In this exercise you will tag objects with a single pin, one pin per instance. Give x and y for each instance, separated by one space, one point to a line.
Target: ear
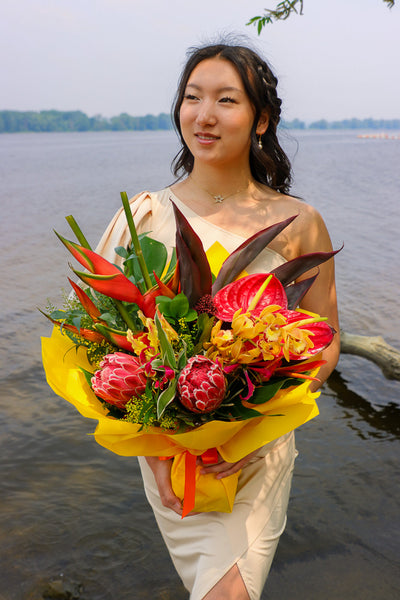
263 123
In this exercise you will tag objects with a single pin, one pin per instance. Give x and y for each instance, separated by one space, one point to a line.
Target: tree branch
283 10
373 348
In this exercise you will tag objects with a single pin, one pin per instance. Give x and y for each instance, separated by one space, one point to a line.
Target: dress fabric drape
203 547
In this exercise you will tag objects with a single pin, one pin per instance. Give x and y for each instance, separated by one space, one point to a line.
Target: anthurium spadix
104 277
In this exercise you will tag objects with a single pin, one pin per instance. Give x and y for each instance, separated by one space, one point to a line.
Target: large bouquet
187 355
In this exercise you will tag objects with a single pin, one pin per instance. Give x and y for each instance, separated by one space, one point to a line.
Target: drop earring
260 144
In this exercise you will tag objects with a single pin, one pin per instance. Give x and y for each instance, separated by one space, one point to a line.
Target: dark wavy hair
269 165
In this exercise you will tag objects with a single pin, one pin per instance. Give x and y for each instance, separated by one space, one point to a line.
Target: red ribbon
209 457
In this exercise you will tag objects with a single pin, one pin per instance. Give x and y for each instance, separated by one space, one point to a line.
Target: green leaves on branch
283 10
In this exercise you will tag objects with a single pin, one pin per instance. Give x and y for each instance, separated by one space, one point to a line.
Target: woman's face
216 115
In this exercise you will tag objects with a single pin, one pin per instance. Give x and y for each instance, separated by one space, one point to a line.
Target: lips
206 137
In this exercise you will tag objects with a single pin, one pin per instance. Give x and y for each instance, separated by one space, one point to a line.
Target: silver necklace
218 198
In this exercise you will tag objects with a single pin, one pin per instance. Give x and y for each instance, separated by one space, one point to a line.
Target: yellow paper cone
234 440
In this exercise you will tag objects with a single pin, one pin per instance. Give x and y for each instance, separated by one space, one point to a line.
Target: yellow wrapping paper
234 440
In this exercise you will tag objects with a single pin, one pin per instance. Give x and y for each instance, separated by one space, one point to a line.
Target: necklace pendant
218 199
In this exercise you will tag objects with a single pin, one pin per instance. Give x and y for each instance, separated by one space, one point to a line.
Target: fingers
224 469
169 500
162 475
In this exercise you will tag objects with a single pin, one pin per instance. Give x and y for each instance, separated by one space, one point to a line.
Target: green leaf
121 251
179 306
76 322
165 398
241 412
88 376
167 352
59 314
182 356
176 308
163 303
266 392
154 254
108 318
191 315
204 324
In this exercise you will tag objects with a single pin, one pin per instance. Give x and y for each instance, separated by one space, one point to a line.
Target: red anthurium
240 294
321 334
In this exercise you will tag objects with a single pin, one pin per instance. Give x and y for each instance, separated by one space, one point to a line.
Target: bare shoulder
310 227
307 233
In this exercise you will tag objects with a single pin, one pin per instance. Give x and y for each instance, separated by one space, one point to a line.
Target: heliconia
86 302
104 277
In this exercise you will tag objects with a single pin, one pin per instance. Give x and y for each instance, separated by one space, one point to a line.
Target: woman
237 178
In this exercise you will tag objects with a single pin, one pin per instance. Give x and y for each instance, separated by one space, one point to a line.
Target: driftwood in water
373 348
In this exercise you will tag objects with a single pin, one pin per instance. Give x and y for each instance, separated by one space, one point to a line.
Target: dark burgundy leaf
195 273
296 292
292 269
247 252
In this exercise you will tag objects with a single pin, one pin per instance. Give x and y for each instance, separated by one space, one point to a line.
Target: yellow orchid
148 342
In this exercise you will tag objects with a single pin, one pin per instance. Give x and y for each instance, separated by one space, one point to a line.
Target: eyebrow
219 90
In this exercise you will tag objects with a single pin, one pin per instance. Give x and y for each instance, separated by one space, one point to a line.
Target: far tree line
12 121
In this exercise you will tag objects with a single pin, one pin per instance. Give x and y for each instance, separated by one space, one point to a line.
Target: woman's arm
312 236
321 297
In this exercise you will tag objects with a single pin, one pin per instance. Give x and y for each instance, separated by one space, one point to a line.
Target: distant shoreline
13 121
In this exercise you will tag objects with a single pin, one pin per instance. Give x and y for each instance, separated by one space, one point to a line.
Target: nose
206 113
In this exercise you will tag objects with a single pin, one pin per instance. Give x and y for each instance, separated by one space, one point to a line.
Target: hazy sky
339 60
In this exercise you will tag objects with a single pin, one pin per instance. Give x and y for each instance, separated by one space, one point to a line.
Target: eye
228 99
190 97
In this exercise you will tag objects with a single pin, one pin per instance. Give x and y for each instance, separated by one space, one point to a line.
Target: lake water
74 512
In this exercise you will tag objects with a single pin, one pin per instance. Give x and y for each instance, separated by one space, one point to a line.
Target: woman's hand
224 469
162 474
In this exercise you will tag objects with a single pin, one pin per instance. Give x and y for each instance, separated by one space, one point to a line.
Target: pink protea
201 385
120 377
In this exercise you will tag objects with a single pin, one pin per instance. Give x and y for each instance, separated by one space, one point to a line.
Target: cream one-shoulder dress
203 547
